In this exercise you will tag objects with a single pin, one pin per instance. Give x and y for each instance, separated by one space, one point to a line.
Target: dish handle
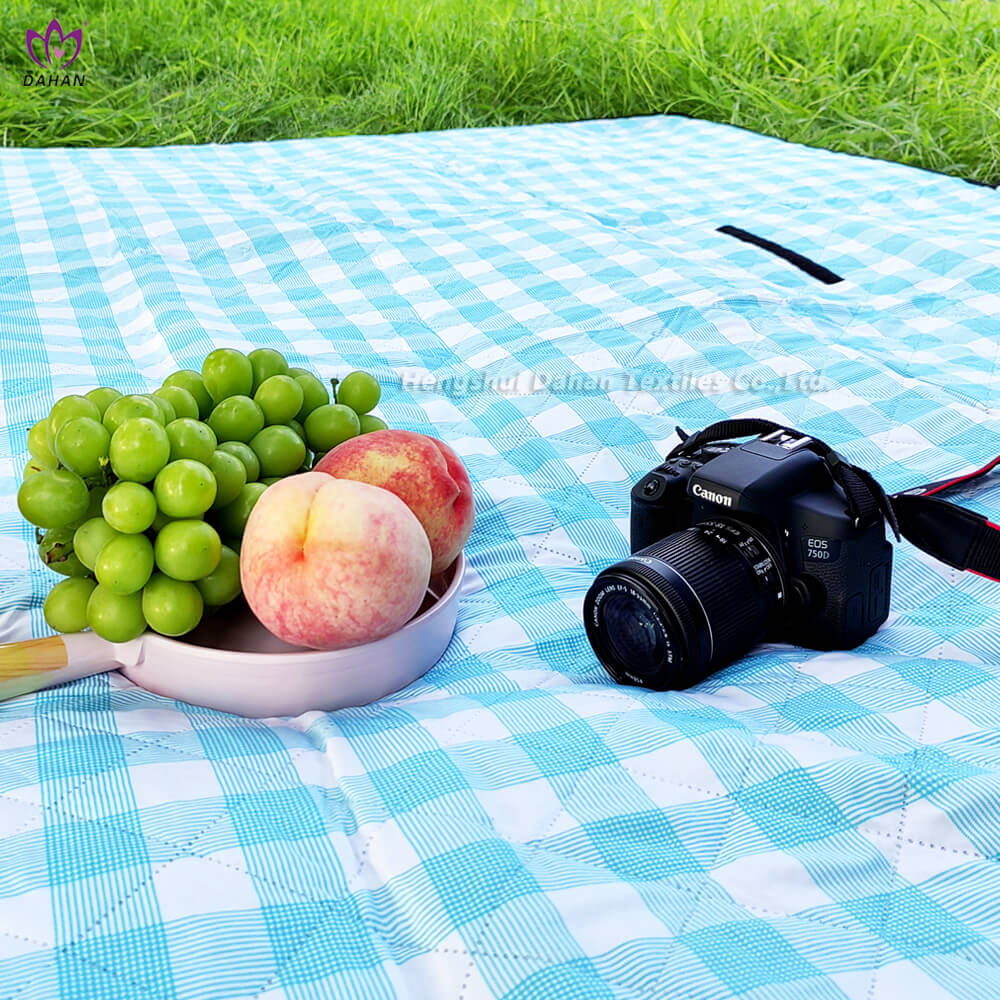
40 663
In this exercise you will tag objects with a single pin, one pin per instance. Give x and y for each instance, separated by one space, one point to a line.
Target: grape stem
105 477
334 382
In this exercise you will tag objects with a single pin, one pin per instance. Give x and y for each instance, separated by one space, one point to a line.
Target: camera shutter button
652 485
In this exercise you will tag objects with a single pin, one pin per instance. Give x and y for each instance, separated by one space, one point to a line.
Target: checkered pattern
801 825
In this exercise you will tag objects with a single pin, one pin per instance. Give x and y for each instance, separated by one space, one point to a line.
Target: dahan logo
720 498
54 51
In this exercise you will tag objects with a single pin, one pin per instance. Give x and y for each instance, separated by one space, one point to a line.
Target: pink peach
331 563
423 472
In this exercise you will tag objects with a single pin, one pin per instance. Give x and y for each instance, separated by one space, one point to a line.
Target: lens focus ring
725 589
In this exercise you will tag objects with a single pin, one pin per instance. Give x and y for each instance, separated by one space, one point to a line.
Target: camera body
835 574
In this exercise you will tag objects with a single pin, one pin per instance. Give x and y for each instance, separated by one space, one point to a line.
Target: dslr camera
777 538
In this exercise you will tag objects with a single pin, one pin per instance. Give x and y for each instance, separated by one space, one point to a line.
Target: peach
423 472
331 563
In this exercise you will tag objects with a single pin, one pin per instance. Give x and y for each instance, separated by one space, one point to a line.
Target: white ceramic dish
233 664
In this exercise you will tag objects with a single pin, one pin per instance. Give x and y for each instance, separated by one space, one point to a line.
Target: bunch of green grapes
140 501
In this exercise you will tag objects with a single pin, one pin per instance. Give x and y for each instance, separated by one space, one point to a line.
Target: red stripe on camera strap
929 489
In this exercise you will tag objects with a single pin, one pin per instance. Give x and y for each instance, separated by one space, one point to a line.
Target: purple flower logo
60 51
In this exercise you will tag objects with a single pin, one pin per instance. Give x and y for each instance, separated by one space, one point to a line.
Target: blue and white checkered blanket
552 301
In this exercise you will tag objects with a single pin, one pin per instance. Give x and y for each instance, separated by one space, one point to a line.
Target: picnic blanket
552 301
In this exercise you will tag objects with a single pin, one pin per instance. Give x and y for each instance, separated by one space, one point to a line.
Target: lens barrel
674 612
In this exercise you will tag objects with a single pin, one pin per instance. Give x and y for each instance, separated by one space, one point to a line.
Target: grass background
916 81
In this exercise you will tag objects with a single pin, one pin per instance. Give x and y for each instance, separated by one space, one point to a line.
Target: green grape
232 519
187 550
191 439
131 408
193 382
82 446
65 608
266 362
296 372
53 498
129 508
38 444
360 392
330 425
184 404
230 477
103 397
90 538
237 418
185 488
166 408
227 372
280 397
271 480
171 607
32 468
222 585
139 449
297 427
56 551
245 454
314 394
115 617
66 409
369 423
280 450
125 564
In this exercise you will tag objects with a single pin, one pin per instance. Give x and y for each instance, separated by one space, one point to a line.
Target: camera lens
635 631
674 612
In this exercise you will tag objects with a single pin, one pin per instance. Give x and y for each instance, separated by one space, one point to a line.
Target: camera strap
866 500
958 537
952 534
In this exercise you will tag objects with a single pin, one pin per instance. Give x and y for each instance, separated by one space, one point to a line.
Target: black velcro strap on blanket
814 270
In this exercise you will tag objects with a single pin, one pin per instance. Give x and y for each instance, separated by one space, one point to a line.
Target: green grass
916 81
